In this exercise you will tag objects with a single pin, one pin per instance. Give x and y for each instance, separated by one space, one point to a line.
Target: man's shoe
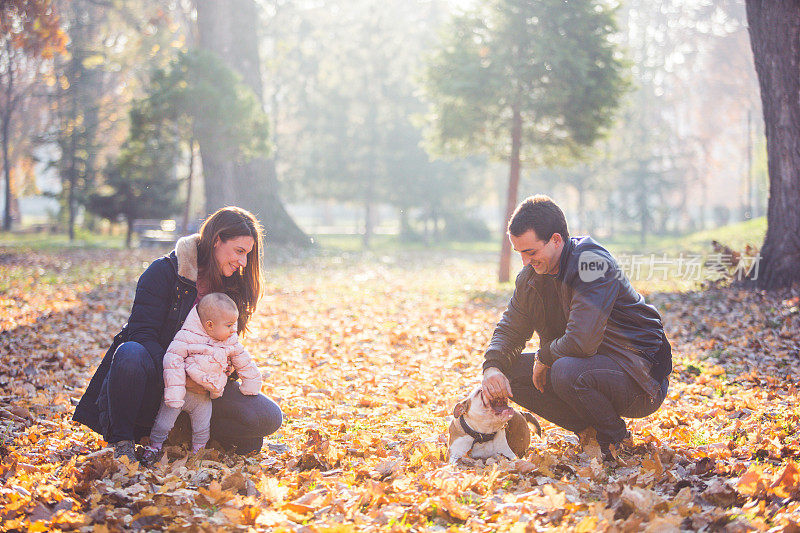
126 448
611 451
151 455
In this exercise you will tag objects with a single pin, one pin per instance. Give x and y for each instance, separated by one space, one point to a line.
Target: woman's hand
495 384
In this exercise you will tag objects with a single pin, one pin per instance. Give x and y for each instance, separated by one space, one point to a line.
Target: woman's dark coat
165 294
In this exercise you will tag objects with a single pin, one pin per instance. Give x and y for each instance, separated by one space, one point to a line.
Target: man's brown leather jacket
589 307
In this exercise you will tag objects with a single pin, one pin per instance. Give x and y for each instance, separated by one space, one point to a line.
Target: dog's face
477 408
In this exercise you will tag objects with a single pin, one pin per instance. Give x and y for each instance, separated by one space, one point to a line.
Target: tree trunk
128 232
706 170
7 171
77 137
189 179
367 237
230 29
213 23
511 199
642 226
72 171
405 224
774 27
644 213
7 115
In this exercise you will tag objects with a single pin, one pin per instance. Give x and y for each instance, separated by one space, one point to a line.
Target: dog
488 429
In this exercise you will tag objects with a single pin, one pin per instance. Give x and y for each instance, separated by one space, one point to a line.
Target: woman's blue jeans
239 423
584 391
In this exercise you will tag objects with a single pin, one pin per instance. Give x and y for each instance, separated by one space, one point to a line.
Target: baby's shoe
151 455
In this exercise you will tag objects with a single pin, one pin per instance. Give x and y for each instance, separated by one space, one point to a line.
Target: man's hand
495 385
539 375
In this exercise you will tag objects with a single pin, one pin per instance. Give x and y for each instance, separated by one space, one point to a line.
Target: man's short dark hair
540 214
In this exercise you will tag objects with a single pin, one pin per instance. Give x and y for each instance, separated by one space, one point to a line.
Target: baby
205 349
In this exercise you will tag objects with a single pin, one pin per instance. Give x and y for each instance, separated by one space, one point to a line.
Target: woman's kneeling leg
131 379
240 422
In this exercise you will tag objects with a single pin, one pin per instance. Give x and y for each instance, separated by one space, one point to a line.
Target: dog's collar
478 436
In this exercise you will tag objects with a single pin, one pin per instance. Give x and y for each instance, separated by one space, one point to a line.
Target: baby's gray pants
199 408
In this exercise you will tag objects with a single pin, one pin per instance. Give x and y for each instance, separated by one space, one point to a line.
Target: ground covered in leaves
367 356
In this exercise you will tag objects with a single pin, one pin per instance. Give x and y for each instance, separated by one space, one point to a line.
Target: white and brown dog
488 429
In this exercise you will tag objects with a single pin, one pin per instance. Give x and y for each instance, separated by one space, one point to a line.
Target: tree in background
200 93
693 92
340 92
358 118
196 91
774 33
680 140
84 80
141 181
231 30
112 48
343 99
435 195
30 37
525 80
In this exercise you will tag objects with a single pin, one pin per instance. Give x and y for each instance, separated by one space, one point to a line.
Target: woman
123 396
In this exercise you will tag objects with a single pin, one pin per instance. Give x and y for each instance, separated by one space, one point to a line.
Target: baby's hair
211 304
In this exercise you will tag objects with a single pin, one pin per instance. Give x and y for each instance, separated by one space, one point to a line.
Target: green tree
232 30
113 46
358 108
141 181
83 83
196 91
521 80
199 91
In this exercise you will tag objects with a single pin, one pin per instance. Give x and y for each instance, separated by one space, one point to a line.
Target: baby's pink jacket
195 354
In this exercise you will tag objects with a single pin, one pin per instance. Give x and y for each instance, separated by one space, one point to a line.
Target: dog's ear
532 420
461 408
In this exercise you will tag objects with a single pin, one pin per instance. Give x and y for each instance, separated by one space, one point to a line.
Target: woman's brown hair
244 286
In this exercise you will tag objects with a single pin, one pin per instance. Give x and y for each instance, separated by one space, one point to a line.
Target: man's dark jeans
582 392
238 422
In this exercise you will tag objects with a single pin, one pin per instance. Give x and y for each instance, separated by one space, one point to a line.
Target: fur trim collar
186 252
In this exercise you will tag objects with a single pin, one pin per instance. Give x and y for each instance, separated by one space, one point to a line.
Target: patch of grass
60 241
27 268
718 354
700 438
694 367
210 510
468 499
736 235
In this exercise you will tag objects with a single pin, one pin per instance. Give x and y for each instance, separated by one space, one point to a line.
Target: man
602 350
